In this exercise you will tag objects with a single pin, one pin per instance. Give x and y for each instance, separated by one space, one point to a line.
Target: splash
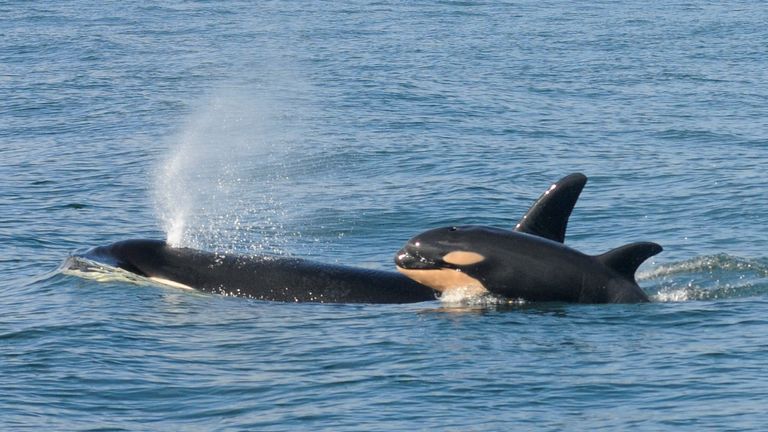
708 277
466 296
85 268
218 187
709 264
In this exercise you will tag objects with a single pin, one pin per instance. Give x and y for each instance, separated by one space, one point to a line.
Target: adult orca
271 278
529 263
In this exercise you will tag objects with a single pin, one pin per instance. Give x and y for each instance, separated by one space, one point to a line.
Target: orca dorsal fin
548 217
626 259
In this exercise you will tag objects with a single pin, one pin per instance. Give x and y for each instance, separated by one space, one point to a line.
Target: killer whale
284 279
271 278
287 279
531 262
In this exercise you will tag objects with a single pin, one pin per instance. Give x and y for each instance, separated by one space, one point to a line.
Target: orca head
447 258
129 255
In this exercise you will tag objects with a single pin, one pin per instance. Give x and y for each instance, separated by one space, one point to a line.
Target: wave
98 271
708 277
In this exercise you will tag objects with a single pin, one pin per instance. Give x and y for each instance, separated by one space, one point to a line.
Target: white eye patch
463 258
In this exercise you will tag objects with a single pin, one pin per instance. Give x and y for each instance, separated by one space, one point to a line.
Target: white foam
459 295
100 272
673 295
468 296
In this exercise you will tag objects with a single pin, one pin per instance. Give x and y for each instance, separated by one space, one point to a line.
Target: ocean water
336 131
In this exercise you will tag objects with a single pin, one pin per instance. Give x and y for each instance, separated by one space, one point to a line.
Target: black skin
523 266
531 262
260 277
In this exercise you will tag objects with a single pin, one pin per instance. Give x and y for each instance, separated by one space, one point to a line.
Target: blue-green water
336 131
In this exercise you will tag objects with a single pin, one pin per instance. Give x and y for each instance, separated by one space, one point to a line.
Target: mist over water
217 189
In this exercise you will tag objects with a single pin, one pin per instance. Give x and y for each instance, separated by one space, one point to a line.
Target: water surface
338 131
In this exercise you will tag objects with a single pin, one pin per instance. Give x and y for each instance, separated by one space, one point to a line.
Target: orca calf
260 277
530 263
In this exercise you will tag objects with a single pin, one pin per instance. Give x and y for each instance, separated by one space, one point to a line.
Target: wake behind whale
708 277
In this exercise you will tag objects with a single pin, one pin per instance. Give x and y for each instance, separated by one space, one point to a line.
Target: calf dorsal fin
626 259
548 217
